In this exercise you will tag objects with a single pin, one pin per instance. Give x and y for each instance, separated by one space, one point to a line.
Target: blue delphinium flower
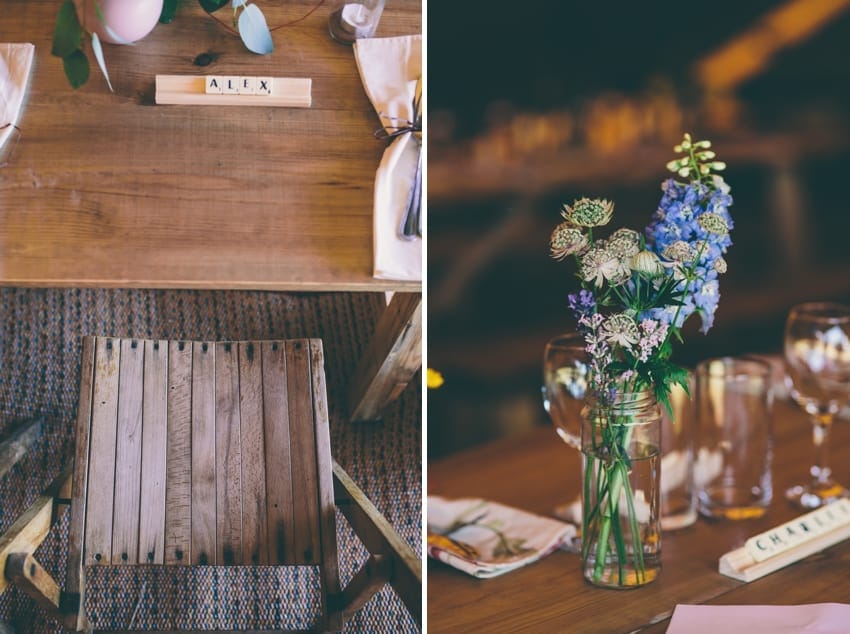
678 219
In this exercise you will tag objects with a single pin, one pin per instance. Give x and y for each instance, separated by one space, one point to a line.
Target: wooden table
109 190
536 471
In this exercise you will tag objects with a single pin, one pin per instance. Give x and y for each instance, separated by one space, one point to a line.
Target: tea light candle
354 20
355 16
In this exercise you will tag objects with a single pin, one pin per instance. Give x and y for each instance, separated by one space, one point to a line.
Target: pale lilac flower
652 335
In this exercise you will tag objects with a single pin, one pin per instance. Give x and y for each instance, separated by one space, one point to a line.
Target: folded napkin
820 618
390 69
486 539
15 64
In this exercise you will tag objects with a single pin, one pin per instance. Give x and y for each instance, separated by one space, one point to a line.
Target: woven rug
40 332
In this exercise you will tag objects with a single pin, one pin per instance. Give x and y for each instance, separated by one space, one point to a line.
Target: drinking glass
734 405
565 368
817 362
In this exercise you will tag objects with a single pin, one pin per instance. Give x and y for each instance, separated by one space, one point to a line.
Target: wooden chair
200 453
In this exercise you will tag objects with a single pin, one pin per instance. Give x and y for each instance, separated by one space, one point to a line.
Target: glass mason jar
621 529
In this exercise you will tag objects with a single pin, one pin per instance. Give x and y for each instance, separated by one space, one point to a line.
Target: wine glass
817 360
565 370
565 374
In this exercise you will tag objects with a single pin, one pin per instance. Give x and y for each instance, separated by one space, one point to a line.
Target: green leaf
212 5
254 30
68 34
169 8
76 68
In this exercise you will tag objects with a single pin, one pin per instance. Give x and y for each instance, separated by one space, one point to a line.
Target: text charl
238 85
799 531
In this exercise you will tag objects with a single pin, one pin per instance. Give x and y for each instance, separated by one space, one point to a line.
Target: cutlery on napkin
390 69
15 65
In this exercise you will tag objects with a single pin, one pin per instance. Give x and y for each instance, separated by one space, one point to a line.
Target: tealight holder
351 21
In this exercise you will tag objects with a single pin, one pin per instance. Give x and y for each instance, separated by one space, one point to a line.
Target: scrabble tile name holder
790 542
233 90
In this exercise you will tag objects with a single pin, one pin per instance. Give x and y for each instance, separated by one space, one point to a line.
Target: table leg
392 358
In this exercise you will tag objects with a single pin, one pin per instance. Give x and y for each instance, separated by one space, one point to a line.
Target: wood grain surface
128 454
228 455
108 189
178 472
101 478
203 454
154 447
535 471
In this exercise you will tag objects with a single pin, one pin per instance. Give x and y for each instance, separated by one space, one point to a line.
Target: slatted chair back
202 453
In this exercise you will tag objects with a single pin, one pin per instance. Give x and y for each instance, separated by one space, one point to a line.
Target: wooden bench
204 453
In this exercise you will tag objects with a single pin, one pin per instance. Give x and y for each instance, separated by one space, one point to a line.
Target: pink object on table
124 21
815 618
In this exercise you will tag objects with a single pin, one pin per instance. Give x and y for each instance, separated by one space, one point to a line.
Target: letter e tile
247 85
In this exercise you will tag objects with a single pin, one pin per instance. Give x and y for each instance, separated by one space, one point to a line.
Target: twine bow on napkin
391 70
411 225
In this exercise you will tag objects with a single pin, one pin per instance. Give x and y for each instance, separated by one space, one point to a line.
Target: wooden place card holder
788 543
227 90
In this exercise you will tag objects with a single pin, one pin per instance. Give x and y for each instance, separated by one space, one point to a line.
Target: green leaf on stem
76 68
169 8
68 34
212 5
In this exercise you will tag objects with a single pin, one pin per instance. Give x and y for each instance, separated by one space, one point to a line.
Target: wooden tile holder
788 543
287 92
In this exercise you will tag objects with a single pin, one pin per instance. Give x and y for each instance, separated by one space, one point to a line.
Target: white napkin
486 539
15 65
820 618
390 68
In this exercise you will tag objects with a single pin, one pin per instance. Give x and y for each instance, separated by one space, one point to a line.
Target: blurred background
534 104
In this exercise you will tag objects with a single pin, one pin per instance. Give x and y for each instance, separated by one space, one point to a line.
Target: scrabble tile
247 85
213 84
230 85
264 85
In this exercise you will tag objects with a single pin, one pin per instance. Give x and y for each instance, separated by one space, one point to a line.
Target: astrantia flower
587 212
646 263
627 234
566 240
713 223
623 246
720 265
600 264
620 329
680 251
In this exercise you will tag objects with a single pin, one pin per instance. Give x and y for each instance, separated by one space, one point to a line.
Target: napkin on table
15 65
815 618
486 539
390 69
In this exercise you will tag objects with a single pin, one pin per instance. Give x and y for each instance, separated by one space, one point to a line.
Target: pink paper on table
815 618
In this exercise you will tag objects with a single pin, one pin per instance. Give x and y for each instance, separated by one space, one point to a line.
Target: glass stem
820 437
